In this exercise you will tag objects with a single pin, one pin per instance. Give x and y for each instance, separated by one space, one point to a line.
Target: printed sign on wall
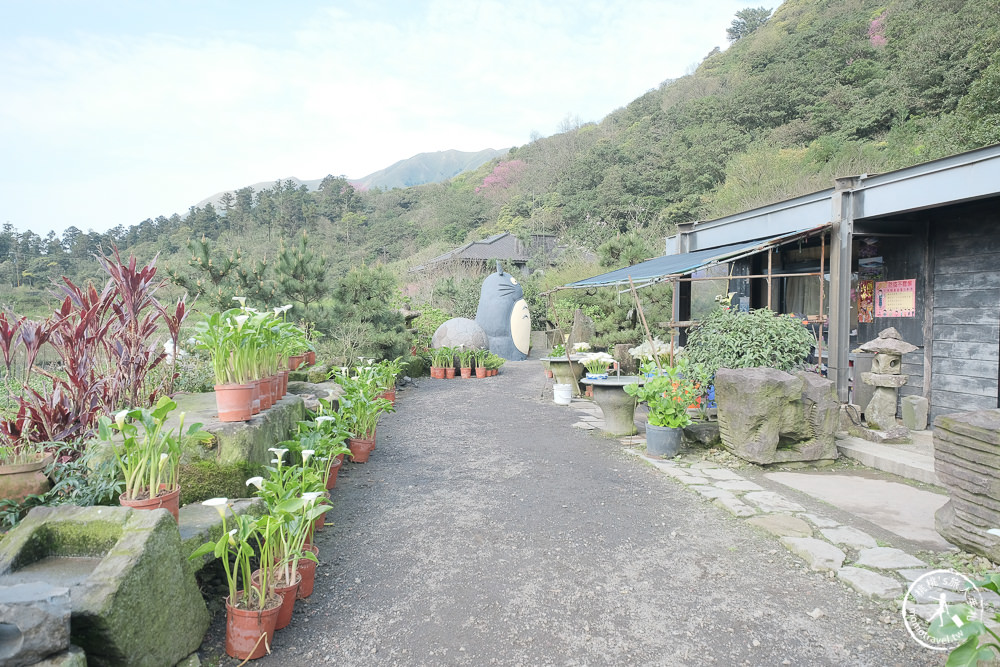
896 298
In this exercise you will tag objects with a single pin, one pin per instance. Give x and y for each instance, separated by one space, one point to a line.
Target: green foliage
668 396
416 365
747 21
364 321
301 276
430 319
728 338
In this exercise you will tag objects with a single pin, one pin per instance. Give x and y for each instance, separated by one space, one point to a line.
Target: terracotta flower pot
449 373
24 479
234 401
283 378
249 632
480 372
548 373
467 372
311 357
265 394
331 480
437 372
361 448
288 595
168 500
389 395
307 568
255 406
295 361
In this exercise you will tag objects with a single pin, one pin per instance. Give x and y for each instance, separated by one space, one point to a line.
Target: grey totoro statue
503 315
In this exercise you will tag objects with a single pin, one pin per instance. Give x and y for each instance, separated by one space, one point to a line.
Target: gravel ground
486 530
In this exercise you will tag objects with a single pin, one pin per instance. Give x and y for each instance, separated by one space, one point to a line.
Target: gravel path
486 530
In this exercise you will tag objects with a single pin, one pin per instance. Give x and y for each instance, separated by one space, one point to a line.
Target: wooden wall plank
967 334
986 316
960 350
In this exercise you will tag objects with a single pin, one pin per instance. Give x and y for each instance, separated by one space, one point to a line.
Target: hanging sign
896 298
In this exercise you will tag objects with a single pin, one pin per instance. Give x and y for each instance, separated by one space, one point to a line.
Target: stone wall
967 461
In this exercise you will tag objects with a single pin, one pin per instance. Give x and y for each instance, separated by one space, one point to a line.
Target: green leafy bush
728 338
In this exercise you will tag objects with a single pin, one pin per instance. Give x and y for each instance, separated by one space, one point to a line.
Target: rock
782 525
702 434
38 615
888 346
628 364
881 411
896 435
890 332
849 537
887 558
819 555
769 416
870 584
72 657
139 605
583 330
461 331
914 412
967 463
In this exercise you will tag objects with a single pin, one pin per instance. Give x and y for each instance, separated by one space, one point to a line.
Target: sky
112 112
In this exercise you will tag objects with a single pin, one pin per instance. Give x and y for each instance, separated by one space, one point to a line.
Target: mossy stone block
140 605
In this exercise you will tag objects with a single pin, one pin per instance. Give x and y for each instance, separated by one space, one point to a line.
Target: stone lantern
887 377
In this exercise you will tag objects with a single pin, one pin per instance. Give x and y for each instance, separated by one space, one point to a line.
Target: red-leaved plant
107 345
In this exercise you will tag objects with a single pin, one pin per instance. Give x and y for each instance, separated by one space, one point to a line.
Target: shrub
728 338
416 366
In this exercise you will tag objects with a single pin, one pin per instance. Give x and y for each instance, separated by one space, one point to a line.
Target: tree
301 275
746 21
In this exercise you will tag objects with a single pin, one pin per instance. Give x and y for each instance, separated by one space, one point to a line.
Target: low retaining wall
967 462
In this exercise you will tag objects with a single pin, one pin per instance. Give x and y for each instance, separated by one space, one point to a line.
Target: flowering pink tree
876 32
503 176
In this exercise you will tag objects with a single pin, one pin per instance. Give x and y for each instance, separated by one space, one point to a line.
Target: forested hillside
823 88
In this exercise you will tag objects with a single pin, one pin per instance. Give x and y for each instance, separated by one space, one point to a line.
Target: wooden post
649 336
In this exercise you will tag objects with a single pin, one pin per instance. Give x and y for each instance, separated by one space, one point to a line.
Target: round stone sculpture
461 331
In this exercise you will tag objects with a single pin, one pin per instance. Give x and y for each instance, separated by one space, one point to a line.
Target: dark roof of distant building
503 246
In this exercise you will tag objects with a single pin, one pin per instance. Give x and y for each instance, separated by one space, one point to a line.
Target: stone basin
617 406
67 571
566 372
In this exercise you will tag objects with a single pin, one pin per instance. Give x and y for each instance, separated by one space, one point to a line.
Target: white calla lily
257 481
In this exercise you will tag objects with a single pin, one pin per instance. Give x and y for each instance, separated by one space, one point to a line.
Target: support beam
841 240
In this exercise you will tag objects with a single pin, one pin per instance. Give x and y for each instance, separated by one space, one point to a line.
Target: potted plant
22 469
442 358
668 397
222 335
291 493
149 457
252 606
361 410
597 364
465 358
481 358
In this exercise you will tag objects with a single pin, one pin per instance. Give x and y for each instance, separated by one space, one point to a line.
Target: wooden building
917 249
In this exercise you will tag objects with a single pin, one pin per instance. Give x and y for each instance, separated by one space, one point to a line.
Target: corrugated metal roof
682 264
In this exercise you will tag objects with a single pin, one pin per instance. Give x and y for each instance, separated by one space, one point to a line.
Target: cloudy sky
112 112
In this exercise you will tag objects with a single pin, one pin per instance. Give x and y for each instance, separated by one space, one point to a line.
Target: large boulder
770 416
133 600
967 463
461 331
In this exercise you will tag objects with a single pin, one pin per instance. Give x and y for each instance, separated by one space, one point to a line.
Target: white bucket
562 394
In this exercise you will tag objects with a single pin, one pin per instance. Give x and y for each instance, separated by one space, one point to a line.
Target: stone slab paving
849 537
870 583
819 555
852 555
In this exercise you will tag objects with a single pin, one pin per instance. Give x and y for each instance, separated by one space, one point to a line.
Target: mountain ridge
420 169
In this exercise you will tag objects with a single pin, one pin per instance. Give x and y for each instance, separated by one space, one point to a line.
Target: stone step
914 462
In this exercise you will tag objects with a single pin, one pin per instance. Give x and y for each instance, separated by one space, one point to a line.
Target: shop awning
670 266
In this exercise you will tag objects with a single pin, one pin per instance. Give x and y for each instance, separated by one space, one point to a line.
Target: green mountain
426 168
